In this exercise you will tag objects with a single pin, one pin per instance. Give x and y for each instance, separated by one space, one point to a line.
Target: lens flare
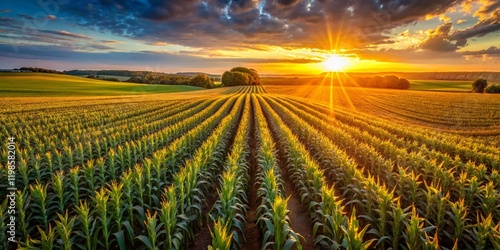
335 63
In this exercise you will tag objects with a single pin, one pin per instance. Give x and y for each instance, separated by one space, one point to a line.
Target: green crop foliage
158 172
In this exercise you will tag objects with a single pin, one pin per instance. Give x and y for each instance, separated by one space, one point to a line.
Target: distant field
446 111
426 85
440 85
39 84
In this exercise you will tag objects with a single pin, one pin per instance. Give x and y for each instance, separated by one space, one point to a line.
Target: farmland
39 84
464 113
253 167
441 85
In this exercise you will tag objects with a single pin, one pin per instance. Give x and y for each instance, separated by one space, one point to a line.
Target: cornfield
194 173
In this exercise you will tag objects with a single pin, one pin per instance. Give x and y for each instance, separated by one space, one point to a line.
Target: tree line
387 82
200 80
481 86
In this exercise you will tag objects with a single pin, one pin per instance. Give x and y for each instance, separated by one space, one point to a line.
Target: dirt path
202 238
252 234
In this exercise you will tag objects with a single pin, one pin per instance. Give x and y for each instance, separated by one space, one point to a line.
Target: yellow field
465 113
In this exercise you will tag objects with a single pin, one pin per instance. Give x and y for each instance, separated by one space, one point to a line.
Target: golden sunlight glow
335 63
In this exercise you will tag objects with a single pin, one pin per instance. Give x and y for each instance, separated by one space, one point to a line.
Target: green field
441 85
39 84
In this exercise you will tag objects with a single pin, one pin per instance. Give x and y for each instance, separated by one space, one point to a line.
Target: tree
479 85
201 80
252 74
404 83
235 78
493 89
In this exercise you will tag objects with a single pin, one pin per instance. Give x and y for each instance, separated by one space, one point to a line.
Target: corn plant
431 243
89 172
47 239
101 205
170 219
74 186
115 194
58 186
483 233
64 227
415 230
86 226
353 238
128 200
41 204
458 220
22 204
153 232
489 197
277 227
399 220
221 237
332 218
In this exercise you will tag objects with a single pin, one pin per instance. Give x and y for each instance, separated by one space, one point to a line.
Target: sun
335 63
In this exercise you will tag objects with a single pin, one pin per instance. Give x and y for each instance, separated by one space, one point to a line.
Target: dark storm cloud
161 10
206 23
287 2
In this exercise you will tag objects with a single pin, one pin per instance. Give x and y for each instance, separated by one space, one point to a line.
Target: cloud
493 50
210 26
158 43
66 33
460 21
5 11
51 17
100 46
67 54
439 39
444 18
294 23
482 28
410 56
292 61
110 42
443 39
28 17
487 7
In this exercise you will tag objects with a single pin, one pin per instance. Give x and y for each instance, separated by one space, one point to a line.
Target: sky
271 36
